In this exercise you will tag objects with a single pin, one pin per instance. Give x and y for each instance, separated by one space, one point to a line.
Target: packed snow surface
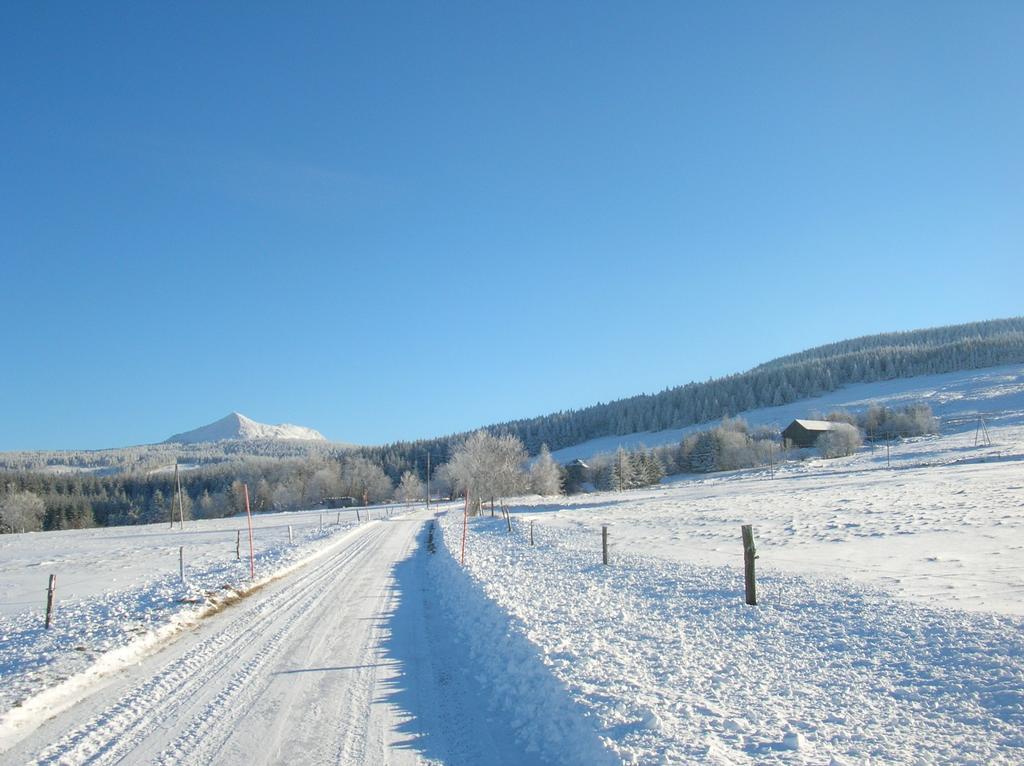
119 590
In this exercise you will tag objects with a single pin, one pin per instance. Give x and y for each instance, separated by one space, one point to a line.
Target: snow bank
672 667
522 691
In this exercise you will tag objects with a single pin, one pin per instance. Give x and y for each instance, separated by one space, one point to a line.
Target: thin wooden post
181 562
338 520
321 522
358 520
749 554
888 462
291 539
181 506
238 545
531 533
604 545
172 496
49 599
508 516
252 549
465 524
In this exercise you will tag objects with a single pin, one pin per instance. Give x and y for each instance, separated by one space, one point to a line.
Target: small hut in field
805 433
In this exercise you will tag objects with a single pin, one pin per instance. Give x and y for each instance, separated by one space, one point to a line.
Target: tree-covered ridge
782 381
930 338
134 484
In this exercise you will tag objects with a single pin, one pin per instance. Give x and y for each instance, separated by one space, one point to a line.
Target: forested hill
998 330
781 381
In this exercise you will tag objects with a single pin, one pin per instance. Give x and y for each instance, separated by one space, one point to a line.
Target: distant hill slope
781 381
238 426
998 332
958 399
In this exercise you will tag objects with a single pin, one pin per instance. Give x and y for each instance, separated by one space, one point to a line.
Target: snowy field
667 665
119 594
943 526
889 628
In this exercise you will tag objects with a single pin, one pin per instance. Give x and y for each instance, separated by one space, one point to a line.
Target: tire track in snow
143 710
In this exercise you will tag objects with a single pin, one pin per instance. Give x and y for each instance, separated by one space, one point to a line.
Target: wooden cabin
805 433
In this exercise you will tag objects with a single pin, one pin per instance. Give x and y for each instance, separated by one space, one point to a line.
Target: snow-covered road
339 662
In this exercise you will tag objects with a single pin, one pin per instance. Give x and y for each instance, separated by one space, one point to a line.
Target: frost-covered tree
441 484
21 512
912 420
365 480
286 497
409 488
324 483
654 471
488 466
545 474
842 440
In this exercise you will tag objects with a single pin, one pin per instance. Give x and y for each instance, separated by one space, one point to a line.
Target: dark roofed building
575 476
805 433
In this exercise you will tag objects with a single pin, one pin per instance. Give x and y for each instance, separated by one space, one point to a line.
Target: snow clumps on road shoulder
510 669
673 667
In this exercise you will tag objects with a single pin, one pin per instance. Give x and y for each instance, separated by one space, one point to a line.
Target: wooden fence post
531 533
465 525
321 522
338 522
749 554
358 520
49 599
238 545
252 547
291 539
508 516
181 562
604 545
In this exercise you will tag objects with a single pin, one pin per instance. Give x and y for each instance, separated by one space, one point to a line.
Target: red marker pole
252 553
465 523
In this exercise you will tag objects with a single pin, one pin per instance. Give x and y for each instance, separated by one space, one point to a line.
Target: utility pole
181 506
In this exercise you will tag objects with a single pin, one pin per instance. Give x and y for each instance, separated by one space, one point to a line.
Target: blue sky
393 221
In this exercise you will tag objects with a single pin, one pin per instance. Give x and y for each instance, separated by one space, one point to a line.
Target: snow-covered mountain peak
237 426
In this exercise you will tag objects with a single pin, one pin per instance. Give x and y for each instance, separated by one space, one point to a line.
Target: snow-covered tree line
289 474
624 469
782 381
